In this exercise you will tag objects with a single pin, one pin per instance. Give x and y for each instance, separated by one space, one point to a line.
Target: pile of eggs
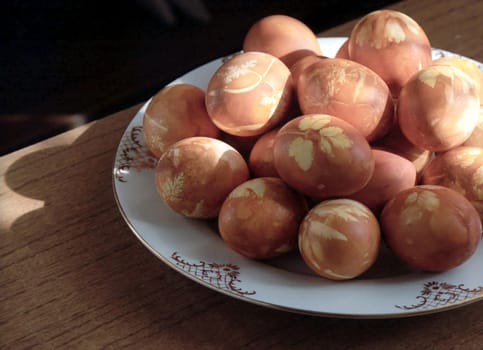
289 149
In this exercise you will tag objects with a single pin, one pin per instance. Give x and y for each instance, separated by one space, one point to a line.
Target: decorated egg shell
438 108
284 37
322 156
249 94
468 67
339 239
392 44
460 169
260 218
194 175
431 228
174 113
347 90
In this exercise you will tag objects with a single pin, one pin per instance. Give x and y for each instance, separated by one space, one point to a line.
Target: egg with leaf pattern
322 156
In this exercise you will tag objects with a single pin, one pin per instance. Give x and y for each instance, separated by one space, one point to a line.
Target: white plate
193 248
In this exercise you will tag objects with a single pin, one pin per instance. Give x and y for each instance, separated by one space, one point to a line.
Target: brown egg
431 228
470 68
249 94
339 239
174 113
460 169
396 142
261 162
349 91
260 218
242 144
392 174
299 66
438 108
195 175
282 36
391 44
476 137
343 51
322 156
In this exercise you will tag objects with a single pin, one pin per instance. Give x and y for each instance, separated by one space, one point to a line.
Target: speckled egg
460 169
322 156
260 218
438 108
282 36
347 90
339 239
174 113
194 175
249 94
392 44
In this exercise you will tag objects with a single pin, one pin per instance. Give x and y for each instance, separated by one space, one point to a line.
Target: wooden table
73 276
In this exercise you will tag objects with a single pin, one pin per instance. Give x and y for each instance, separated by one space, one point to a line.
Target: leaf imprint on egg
349 213
325 231
416 203
302 151
314 122
333 136
173 187
235 71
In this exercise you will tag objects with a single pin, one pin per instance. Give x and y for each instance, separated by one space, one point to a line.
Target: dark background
64 63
